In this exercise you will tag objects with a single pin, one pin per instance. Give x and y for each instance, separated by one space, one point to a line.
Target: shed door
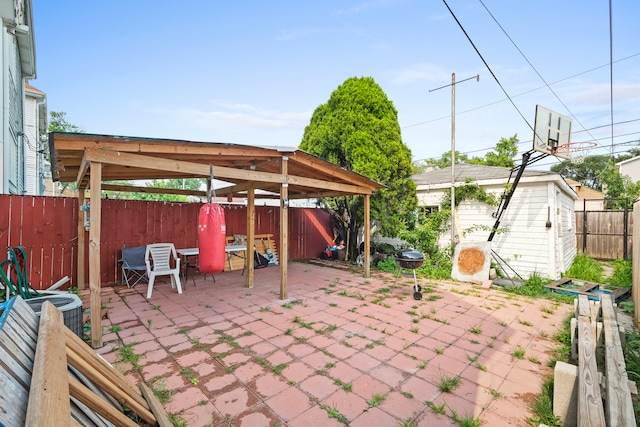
559 222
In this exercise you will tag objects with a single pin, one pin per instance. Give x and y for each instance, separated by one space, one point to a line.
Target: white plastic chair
158 259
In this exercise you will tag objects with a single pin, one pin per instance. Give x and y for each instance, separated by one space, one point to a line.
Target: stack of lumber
51 381
261 242
596 338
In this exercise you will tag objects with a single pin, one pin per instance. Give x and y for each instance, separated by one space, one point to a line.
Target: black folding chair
134 268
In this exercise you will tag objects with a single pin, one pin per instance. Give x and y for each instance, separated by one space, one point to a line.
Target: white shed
527 244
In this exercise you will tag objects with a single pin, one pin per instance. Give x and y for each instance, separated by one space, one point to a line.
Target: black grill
411 259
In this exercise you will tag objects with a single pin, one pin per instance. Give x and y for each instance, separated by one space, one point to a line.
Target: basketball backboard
551 130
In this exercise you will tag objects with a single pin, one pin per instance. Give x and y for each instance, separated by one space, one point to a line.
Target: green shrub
621 276
585 268
532 287
387 265
437 266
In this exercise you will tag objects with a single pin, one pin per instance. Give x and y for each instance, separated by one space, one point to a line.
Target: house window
425 211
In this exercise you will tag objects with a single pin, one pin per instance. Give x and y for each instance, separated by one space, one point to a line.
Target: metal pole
453 159
453 149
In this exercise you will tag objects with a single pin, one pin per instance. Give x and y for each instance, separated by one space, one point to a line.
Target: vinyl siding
527 245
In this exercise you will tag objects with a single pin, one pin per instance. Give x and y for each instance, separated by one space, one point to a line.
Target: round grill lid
409 255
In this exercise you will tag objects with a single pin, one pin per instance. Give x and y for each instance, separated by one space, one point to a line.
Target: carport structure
284 173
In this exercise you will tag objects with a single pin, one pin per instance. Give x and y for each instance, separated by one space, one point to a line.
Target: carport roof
126 158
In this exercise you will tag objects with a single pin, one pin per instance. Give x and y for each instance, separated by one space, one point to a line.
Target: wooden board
49 404
18 335
262 242
590 408
55 396
618 395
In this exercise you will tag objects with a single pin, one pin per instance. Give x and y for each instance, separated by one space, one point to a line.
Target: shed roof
475 172
243 166
487 175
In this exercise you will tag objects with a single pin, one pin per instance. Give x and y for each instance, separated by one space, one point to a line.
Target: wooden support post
284 228
367 236
49 403
251 231
80 281
94 255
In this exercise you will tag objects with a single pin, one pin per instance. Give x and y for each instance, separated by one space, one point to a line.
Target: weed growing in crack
448 384
375 400
518 352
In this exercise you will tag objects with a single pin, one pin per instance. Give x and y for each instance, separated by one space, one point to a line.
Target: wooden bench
604 389
261 242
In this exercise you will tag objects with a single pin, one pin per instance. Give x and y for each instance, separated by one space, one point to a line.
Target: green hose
13 273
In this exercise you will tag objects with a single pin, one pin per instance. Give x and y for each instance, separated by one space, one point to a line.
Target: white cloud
600 94
236 116
419 72
300 32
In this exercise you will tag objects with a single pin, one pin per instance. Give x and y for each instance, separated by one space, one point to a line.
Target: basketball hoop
574 151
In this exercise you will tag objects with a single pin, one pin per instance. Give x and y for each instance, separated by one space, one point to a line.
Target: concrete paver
342 349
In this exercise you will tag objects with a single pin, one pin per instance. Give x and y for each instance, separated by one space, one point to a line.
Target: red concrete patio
342 350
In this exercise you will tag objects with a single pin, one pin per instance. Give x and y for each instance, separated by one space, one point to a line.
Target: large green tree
58 123
502 155
445 160
591 172
358 130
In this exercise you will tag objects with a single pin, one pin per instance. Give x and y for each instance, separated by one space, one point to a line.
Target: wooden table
186 253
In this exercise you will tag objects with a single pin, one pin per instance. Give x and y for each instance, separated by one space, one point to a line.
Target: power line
488 67
534 68
522 93
611 71
529 141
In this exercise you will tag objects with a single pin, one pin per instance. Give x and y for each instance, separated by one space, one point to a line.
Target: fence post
635 263
625 230
584 228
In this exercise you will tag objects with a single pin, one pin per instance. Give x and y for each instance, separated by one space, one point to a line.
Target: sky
253 72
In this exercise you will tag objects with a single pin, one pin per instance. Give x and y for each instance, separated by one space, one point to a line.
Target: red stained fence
47 228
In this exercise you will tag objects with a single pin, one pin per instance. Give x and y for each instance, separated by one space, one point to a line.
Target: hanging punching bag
212 238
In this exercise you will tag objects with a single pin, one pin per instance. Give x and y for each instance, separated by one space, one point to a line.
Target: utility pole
453 148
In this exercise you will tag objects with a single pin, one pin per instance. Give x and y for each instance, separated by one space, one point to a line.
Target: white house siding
568 238
527 245
631 168
30 153
12 106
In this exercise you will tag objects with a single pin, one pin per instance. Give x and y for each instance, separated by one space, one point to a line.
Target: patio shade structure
283 173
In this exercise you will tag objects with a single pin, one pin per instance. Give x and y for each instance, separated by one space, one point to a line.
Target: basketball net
575 151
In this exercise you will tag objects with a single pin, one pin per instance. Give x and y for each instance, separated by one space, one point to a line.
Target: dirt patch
626 320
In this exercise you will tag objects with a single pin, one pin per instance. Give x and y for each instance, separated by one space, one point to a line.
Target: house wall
631 168
11 150
568 233
31 175
527 245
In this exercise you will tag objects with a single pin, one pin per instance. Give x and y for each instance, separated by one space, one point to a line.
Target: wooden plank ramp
600 353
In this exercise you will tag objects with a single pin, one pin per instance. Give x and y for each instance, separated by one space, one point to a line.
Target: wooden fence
47 228
605 235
